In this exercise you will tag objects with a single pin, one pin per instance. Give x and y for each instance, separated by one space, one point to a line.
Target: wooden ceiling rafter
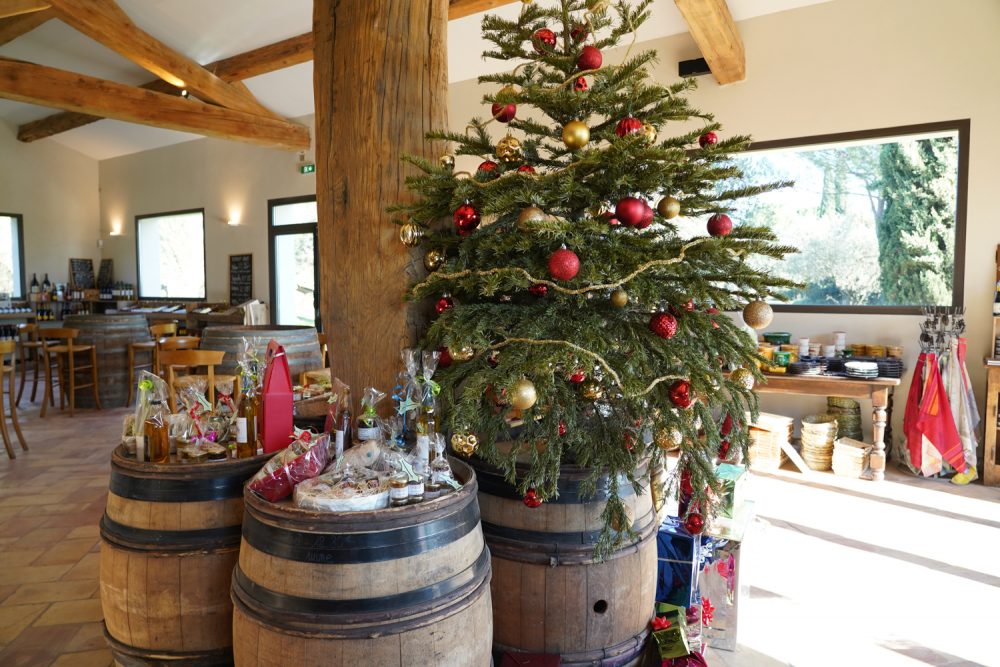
714 31
105 22
36 84
13 27
255 62
21 7
461 8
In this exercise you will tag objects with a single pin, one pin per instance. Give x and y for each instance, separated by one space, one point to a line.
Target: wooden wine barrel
550 594
111 334
170 538
300 343
405 586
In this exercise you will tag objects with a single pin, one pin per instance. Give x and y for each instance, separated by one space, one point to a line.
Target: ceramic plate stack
805 367
850 457
818 434
767 436
863 370
890 367
848 414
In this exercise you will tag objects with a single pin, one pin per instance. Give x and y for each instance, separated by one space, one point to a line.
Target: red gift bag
276 426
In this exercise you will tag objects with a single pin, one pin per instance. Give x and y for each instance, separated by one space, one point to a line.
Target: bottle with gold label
246 427
157 438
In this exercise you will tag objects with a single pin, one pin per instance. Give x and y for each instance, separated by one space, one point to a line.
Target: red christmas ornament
443 304
579 32
627 126
708 139
562 428
504 112
694 523
687 489
544 40
526 169
724 450
466 219
577 377
564 264
689 306
444 358
680 394
713 311
720 225
663 325
630 210
531 499
539 290
488 167
493 359
727 425
647 217
580 85
590 58
629 441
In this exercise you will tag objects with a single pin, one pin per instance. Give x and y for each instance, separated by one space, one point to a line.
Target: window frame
204 259
19 219
962 126
274 231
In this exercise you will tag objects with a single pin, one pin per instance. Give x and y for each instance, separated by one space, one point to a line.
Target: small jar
399 494
432 490
415 491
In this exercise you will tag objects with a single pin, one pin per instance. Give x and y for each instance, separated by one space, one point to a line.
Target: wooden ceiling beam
459 8
37 84
251 63
19 7
13 27
714 31
105 22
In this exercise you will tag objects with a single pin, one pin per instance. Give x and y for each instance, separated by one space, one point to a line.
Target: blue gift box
678 555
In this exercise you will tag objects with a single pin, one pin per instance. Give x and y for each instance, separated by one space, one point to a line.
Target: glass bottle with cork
246 420
156 436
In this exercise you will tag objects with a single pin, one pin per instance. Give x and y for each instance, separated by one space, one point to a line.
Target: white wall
225 178
55 189
855 65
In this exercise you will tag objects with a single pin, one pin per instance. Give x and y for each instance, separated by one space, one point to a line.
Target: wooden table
991 469
821 385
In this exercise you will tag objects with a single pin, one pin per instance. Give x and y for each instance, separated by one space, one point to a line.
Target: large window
878 216
294 265
170 251
11 256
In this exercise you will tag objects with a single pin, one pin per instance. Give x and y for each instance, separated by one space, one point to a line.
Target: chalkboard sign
81 273
106 275
240 279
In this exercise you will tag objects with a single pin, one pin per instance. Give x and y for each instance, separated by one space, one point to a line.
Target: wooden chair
173 344
172 360
158 333
9 372
27 336
66 367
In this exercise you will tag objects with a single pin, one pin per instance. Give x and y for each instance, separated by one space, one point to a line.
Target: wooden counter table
876 390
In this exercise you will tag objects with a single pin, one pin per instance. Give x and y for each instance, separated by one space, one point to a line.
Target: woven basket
850 457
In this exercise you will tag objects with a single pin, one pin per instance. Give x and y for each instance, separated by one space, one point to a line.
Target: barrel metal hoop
158 489
618 655
340 548
132 656
172 541
301 610
570 491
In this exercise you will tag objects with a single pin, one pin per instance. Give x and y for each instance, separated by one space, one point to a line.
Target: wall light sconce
116 228
233 220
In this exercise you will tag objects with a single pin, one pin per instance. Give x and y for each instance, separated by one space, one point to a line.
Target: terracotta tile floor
903 573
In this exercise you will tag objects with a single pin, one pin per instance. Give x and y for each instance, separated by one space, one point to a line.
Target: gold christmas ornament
463 353
464 443
410 235
669 207
591 389
649 132
447 161
665 439
758 314
509 149
575 135
522 395
743 377
434 259
619 298
629 517
597 211
528 215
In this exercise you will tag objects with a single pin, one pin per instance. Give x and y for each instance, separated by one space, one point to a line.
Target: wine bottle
46 285
34 283
996 301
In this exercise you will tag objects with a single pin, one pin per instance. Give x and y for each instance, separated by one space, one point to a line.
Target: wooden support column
381 82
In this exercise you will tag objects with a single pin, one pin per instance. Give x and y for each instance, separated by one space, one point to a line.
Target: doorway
294 261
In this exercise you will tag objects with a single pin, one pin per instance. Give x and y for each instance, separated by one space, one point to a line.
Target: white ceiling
208 31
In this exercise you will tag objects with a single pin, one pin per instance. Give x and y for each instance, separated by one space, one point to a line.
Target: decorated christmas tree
576 324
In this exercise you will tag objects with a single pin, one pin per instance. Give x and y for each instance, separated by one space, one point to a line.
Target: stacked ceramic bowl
848 414
850 457
818 435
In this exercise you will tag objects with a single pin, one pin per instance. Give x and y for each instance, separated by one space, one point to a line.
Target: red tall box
276 401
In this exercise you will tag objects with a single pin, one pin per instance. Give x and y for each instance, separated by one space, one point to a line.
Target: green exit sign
307 168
